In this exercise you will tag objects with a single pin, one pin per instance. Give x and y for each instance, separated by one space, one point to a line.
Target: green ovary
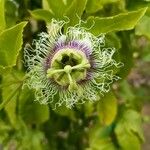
68 66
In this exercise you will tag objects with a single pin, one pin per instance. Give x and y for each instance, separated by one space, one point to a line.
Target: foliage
112 123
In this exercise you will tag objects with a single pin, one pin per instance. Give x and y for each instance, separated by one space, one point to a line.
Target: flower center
68 66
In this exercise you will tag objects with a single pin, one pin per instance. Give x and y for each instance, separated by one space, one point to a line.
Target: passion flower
69 67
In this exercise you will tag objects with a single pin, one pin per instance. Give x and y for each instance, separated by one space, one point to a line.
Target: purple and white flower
69 67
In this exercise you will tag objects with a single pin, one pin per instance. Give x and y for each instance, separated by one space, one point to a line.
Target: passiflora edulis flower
69 67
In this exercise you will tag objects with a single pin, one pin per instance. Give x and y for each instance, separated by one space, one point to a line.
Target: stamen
81 66
51 72
72 83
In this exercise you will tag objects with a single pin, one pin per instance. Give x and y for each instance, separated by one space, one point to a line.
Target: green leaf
63 111
41 14
108 1
10 44
38 113
88 109
11 13
143 27
99 138
103 144
45 5
28 139
2 16
31 111
11 87
123 21
95 5
20 102
126 54
112 40
37 137
58 7
107 109
125 139
136 4
75 11
126 92
129 130
4 70
4 130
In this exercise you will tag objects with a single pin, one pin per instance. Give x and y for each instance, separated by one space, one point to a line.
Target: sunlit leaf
107 109
45 4
10 44
124 21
